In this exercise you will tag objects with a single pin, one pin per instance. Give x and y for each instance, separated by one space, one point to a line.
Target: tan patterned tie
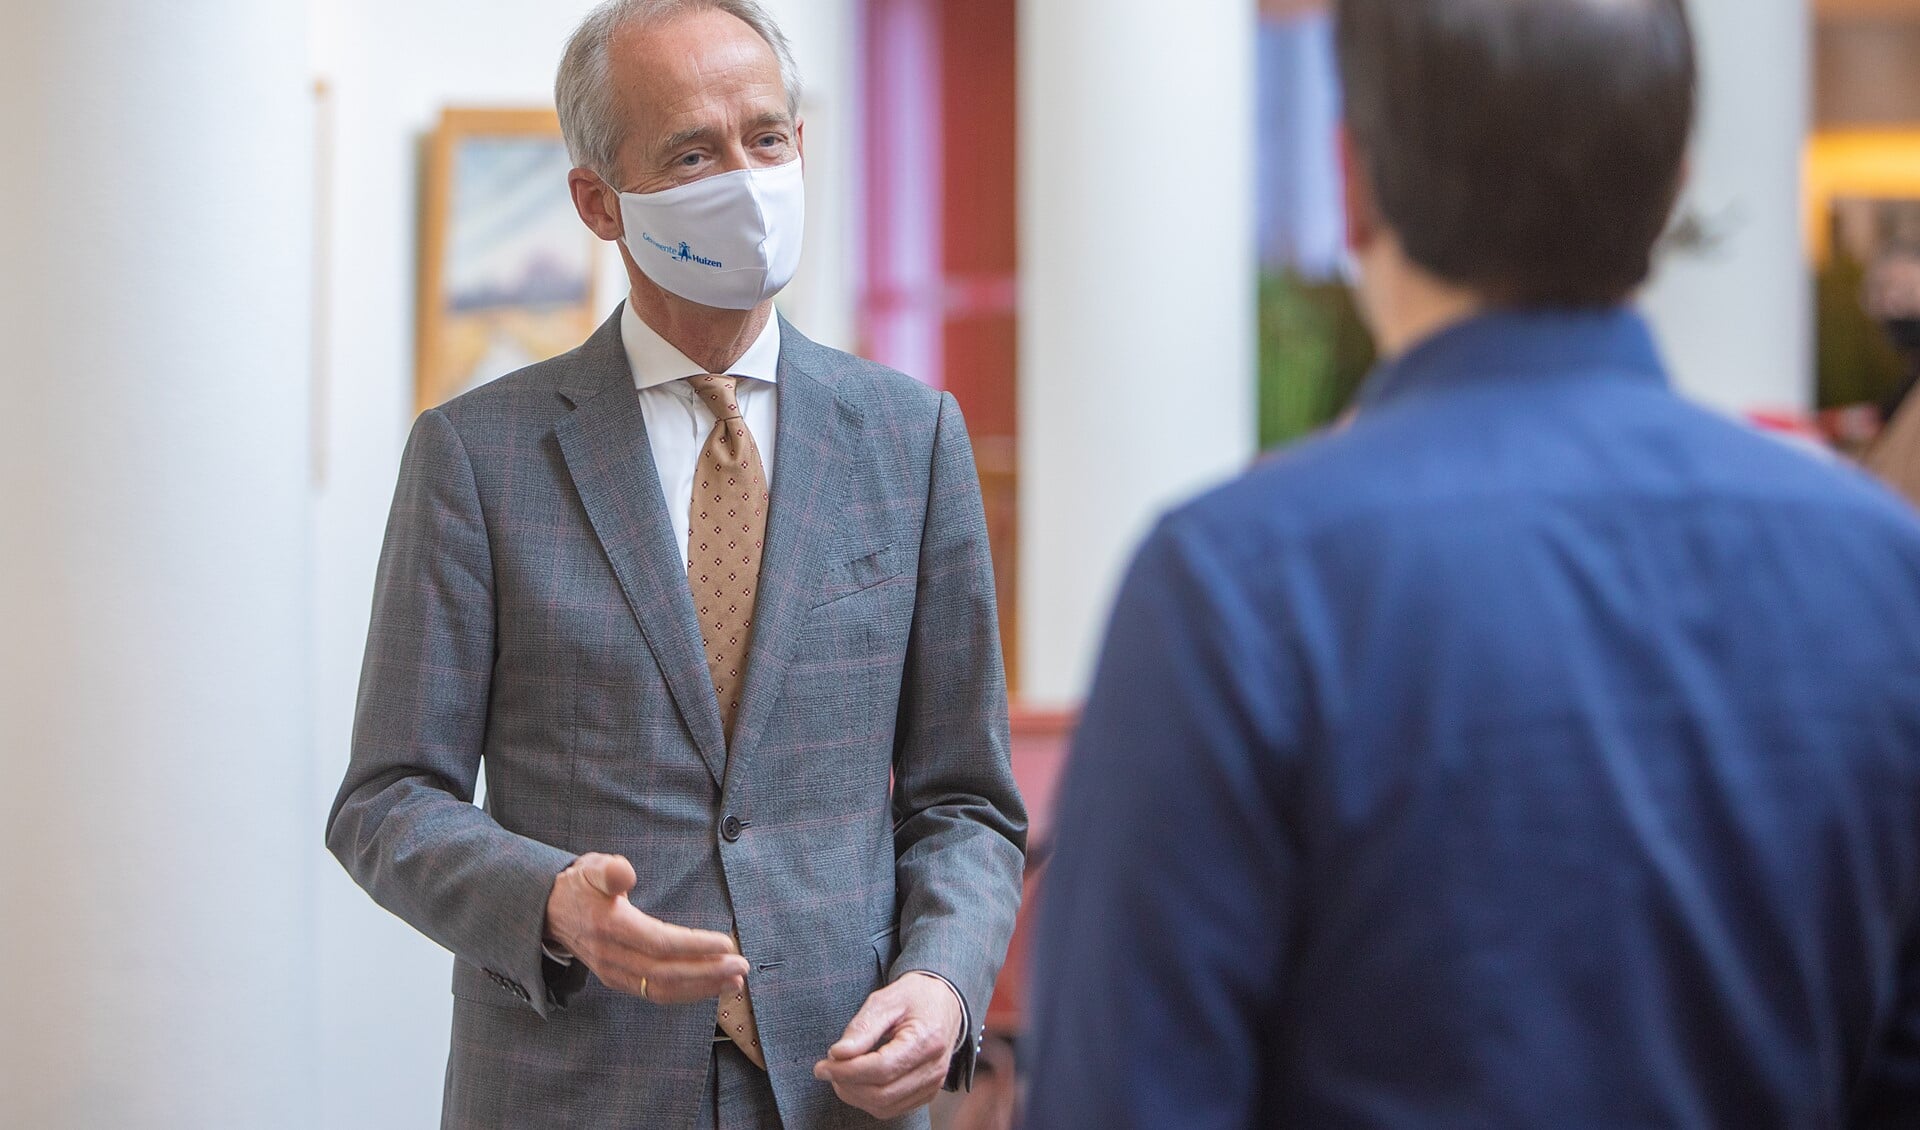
725 537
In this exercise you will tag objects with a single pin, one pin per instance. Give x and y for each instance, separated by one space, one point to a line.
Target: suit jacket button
730 828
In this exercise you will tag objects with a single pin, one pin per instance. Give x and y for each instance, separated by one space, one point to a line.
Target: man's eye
690 160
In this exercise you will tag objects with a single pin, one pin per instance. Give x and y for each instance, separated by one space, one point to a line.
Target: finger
641 936
908 1053
896 1099
677 982
685 990
642 932
725 967
918 1088
907 1095
611 875
869 1027
724 970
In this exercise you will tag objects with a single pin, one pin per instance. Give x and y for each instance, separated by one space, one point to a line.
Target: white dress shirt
678 422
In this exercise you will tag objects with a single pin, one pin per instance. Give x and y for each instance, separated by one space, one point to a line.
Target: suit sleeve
404 824
1169 891
960 827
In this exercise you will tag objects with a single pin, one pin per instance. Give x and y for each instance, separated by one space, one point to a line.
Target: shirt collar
656 362
1532 344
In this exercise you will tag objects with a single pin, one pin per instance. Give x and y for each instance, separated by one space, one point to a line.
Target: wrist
556 935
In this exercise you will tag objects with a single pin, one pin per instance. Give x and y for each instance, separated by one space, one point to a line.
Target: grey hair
590 118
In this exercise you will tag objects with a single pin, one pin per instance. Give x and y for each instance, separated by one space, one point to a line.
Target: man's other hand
895 1052
633 952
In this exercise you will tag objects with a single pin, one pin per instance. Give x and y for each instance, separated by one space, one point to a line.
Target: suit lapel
817 435
604 442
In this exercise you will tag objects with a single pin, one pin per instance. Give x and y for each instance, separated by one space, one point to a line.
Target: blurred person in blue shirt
1540 750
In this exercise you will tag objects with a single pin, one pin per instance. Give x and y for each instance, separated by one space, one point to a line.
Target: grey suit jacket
532 613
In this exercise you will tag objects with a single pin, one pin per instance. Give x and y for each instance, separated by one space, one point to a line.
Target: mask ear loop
617 209
617 194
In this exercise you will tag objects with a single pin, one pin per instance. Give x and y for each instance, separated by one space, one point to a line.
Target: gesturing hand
895 1052
588 913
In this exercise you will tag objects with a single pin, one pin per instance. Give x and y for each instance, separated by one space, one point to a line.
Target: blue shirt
1541 751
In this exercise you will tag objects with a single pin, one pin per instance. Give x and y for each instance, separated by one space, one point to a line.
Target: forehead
688 68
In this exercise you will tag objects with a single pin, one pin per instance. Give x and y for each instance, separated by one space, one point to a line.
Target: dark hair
1529 150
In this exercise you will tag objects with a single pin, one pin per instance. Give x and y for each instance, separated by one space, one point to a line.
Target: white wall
390 66
1736 322
155 905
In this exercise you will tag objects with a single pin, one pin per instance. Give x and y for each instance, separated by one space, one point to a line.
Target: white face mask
731 241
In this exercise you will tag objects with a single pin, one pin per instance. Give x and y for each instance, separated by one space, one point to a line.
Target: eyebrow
696 133
772 118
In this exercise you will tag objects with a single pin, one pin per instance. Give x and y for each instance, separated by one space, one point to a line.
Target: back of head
1527 150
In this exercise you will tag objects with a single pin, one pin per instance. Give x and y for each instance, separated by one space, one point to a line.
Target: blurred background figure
1538 748
246 243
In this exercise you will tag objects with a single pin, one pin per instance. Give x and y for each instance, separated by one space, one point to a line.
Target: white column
1736 319
1137 295
823 35
154 730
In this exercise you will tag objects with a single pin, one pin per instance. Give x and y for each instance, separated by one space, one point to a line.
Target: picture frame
1862 224
1856 163
507 270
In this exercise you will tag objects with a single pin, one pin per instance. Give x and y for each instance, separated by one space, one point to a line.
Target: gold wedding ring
643 988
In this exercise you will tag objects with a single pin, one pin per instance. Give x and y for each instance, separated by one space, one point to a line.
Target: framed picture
1863 230
506 267
1872 164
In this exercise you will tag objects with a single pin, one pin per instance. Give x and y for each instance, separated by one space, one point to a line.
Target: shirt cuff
966 1018
557 953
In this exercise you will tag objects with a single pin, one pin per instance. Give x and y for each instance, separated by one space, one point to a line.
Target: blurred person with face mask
1540 749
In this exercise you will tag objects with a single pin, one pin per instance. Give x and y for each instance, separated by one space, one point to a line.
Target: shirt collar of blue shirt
1530 344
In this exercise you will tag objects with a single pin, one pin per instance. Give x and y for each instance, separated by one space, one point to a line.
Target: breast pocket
859 575
848 658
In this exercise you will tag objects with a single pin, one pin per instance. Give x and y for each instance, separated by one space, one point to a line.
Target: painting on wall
1870 308
506 267
1863 231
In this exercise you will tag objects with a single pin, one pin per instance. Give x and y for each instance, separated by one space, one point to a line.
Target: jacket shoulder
529 394
868 384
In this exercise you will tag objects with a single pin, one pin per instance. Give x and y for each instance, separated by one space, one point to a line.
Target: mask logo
729 241
682 253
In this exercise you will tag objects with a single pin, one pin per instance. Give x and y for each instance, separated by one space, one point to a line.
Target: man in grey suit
713 604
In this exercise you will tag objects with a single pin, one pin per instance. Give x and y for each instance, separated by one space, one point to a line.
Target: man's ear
1363 212
800 138
597 203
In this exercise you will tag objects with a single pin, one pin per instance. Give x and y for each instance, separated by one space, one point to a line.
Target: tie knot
718 392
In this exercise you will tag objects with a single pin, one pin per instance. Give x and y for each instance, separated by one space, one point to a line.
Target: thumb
611 875
868 1028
